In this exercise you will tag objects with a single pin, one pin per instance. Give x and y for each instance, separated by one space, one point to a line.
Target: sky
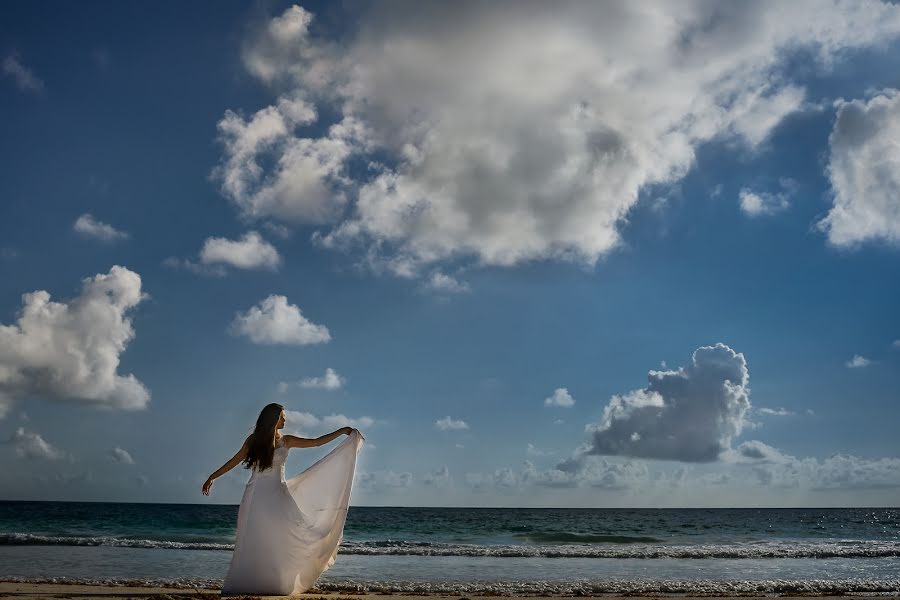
620 254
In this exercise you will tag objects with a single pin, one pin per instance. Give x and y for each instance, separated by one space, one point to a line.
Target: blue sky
480 208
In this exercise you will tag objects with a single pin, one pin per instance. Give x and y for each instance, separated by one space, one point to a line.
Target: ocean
471 550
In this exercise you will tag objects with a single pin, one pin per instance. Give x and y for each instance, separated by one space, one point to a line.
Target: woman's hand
207 486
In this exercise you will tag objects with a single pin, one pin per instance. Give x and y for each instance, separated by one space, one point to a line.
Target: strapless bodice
279 458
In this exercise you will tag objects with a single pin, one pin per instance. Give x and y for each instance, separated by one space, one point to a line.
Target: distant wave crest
631 549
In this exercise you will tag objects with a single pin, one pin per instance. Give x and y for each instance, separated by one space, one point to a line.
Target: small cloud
8 253
857 362
310 423
758 204
895 344
24 78
441 282
90 227
330 381
775 412
561 398
384 479
142 481
248 252
120 455
558 422
439 478
31 445
460 446
448 424
274 321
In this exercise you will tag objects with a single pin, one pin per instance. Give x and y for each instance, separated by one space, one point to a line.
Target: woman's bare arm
292 441
232 463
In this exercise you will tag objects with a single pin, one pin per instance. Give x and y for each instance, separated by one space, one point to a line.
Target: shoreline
137 591
144 590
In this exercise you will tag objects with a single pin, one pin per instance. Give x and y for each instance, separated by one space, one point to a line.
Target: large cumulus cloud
512 131
691 414
864 169
70 350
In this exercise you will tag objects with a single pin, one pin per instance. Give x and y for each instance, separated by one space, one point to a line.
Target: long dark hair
261 443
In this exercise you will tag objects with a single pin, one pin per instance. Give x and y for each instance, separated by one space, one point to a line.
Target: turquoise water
452 549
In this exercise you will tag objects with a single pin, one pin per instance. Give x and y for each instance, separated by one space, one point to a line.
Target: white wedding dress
288 530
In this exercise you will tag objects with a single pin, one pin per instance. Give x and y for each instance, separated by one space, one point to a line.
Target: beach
462 552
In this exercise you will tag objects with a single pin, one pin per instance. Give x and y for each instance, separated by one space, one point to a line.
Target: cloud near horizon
689 415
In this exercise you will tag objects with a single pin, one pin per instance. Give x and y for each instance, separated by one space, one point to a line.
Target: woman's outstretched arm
292 441
232 463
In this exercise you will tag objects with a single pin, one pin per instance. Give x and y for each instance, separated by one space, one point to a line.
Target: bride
288 530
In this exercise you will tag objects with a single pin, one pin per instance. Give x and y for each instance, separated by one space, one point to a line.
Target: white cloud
759 204
776 469
25 79
304 186
274 321
857 362
90 227
775 412
29 444
690 414
756 451
483 144
441 282
70 351
249 252
439 478
120 455
448 424
896 344
596 472
309 423
586 471
864 169
560 397
384 479
329 381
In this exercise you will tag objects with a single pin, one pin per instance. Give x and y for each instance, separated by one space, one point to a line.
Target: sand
34 591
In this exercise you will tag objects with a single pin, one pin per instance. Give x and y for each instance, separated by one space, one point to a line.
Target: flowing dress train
288 530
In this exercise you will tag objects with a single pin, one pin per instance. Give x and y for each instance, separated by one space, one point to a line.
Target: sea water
470 550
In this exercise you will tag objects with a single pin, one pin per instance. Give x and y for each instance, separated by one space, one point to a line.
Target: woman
288 530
